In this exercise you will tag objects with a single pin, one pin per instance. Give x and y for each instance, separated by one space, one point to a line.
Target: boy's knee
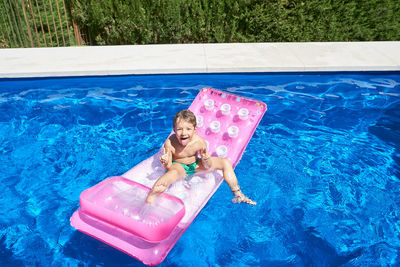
222 164
174 172
226 162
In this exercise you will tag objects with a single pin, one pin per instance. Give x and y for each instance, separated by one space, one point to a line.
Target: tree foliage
207 21
116 22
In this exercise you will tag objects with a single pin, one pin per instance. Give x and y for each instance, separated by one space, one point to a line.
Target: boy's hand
165 158
205 157
204 154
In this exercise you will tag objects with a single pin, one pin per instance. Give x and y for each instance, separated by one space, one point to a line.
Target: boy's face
184 131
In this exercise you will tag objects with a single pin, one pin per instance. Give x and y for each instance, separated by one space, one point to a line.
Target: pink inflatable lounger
114 210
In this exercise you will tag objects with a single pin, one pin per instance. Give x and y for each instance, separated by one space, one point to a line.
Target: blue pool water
324 166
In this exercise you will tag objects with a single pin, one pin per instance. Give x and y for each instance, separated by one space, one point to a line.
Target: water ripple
323 165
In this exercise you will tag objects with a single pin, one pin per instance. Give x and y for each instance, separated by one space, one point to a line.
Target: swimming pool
323 165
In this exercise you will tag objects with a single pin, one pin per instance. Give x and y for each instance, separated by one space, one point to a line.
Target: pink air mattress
114 211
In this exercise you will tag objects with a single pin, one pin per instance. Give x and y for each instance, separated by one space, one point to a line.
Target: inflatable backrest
120 202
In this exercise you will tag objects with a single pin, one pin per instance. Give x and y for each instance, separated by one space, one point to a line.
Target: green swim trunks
189 168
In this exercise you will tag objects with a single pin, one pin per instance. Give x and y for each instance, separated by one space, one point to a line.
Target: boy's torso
187 154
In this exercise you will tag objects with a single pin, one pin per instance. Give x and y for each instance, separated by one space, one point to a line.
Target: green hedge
113 22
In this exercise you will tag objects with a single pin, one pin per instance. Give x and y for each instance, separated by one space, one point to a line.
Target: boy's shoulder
199 139
171 140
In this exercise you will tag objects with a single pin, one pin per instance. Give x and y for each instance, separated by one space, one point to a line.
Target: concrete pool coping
199 58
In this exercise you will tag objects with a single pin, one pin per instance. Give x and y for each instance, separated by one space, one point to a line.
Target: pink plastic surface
121 202
227 122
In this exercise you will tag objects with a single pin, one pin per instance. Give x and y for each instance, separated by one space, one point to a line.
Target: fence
37 23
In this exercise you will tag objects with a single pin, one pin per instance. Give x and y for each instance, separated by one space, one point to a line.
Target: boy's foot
243 199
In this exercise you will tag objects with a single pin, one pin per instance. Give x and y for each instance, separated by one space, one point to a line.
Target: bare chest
187 154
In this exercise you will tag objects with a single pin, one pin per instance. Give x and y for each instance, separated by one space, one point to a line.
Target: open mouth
184 140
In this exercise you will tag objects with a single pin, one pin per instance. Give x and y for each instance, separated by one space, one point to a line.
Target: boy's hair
186 115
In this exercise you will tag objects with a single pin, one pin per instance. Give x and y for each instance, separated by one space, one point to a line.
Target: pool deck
199 58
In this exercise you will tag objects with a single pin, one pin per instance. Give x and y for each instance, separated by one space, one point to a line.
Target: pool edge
199 58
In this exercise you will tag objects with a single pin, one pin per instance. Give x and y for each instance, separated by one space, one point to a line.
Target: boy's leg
229 176
174 173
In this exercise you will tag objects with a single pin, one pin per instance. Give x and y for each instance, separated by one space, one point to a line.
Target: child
180 159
